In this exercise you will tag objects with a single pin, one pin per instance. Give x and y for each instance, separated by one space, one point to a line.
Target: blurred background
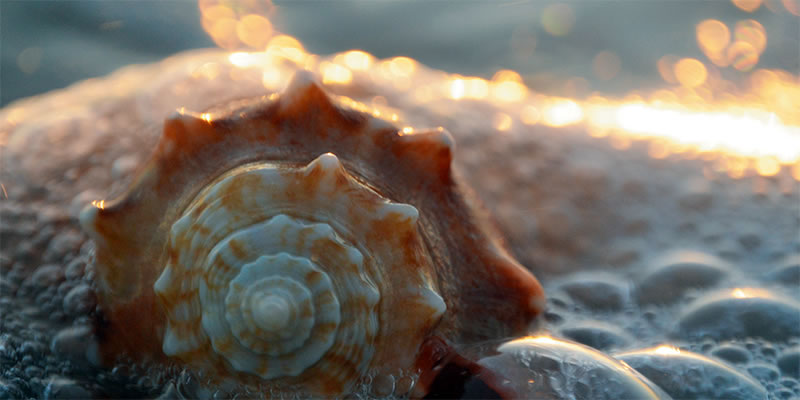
564 48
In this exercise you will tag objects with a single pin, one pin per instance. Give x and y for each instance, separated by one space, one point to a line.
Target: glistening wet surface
686 272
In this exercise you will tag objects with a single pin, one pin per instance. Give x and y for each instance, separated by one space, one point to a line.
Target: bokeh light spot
235 24
357 60
502 122
792 6
665 68
335 73
748 5
558 19
402 66
457 89
752 32
767 166
254 31
713 37
690 72
562 112
530 115
606 65
507 86
29 60
743 56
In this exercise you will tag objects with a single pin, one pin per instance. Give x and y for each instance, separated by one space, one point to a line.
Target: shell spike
428 303
432 150
325 171
403 217
327 162
184 134
300 82
303 91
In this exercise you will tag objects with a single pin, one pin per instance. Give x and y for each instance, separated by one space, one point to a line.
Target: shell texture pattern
292 243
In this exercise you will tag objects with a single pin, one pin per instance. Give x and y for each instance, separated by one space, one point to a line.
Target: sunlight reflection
698 114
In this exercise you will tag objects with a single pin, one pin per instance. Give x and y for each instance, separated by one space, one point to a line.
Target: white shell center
272 313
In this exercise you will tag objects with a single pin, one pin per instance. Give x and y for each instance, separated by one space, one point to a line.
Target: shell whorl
264 258
295 243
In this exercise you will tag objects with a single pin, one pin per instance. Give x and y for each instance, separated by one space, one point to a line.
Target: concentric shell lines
283 286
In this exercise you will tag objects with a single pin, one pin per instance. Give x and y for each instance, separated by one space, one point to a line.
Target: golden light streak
469 88
757 130
562 112
101 204
243 59
712 131
457 89
507 86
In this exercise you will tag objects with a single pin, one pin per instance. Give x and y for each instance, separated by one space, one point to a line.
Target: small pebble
595 294
596 334
732 353
75 268
73 342
763 372
789 362
64 388
672 275
740 313
80 300
9 391
47 275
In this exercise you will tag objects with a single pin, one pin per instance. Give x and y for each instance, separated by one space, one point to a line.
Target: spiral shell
298 245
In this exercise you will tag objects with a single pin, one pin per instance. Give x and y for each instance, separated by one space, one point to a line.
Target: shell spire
299 244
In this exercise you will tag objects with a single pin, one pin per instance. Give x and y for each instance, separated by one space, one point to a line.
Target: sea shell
299 245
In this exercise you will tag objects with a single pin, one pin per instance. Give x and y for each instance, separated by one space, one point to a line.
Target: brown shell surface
468 262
